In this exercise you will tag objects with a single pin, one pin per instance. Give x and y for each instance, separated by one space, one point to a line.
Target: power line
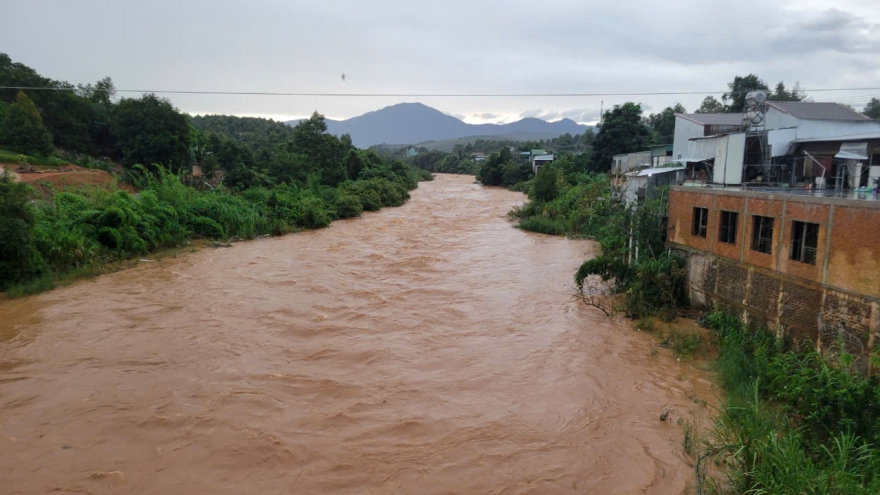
411 95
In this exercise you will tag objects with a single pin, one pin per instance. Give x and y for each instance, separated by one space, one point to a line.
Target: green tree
621 131
735 98
354 163
872 109
67 115
711 105
326 152
19 258
546 186
23 128
663 123
781 94
492 171
148 131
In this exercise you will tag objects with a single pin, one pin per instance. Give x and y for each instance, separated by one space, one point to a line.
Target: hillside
411 123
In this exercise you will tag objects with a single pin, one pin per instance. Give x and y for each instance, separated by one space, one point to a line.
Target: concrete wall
628 161
776 119
828 129
772 288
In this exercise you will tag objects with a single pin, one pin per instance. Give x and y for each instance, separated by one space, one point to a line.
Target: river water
426 349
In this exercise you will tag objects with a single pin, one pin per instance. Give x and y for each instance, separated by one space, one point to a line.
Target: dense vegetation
268 178
79 229
794 421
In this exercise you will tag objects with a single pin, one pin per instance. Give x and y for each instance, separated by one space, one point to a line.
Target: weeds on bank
682 344
77 232
793 422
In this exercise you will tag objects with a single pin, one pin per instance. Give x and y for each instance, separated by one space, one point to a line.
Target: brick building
804 262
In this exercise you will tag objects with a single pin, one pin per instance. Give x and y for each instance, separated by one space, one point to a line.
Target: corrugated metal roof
713 118
848 137
817 110
647 172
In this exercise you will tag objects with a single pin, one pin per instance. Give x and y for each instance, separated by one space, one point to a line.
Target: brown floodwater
426 349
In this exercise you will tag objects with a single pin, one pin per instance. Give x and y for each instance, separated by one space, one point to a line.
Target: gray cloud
400 46
830 30
487 116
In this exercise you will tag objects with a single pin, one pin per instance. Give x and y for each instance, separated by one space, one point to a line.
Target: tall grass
794 422
542 225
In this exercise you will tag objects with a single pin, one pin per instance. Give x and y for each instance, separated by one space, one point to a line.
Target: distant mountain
413 123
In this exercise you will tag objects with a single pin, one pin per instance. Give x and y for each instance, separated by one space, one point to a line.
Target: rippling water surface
426 349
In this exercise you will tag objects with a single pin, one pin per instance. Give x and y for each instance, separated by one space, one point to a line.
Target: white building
539 161
718 149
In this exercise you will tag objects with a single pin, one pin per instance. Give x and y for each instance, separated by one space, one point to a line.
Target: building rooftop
818 110
713 118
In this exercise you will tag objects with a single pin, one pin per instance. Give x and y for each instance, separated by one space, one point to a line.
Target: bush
348 206
545 187
370 200
315 214
794 422
19 258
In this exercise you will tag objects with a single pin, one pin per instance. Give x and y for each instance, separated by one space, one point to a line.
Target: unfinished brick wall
836 296
765 298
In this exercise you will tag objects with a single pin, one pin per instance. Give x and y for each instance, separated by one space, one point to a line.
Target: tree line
275 178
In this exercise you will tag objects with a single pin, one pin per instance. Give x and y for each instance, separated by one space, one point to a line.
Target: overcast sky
449 46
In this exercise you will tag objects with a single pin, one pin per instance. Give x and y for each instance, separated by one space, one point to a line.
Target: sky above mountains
460 47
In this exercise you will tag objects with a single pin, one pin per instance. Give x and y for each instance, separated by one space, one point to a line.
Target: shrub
794 422
315 214
19 258
370 200
545 187
348 206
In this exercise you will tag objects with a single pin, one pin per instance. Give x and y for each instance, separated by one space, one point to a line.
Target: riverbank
78 231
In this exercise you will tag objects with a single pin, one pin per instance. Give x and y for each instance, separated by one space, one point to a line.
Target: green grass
793 422
11 156
47 240
542 225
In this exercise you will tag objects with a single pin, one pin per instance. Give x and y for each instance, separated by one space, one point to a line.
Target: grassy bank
793 421
79 231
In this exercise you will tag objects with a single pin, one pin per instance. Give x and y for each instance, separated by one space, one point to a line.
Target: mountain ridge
414 123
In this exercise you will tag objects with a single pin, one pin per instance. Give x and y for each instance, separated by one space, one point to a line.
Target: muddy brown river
426 349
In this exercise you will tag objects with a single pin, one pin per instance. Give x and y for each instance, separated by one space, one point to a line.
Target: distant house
643 183
478 156
539 161
795 143
627 162
661 154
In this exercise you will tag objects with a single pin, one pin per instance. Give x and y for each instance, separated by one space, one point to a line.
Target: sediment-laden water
426 349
